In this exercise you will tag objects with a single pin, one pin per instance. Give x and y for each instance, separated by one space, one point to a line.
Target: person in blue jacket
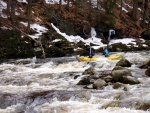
105 51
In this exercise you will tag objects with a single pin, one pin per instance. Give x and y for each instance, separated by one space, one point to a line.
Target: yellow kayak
86 59
116 57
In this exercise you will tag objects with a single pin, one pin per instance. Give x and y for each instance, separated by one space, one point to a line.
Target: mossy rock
147 42
119 47
123 63
68 50
54 52
62 43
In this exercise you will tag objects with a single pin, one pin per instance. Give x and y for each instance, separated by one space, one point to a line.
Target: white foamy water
50 86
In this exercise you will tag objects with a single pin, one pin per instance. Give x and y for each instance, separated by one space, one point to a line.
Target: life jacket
106 52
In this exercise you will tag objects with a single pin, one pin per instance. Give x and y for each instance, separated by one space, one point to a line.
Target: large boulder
119 47
119 74
13 46
124 63
146 35
130 80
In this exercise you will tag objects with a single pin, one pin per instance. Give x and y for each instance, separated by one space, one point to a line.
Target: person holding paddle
105 51
91 52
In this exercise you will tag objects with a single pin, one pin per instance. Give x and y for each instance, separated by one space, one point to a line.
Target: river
50 86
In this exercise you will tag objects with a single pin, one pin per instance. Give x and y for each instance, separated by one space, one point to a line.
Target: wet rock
118 85
124 63
84 81
147 72
76 76
89 86
54 52
143 106
8 99
89 71
99 83
145 35
118 75
145 64
108 78
117 68
119 47
130 80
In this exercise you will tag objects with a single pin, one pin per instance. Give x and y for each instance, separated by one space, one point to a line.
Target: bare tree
8 7
134 15
29 16
145 8
60 4
121 7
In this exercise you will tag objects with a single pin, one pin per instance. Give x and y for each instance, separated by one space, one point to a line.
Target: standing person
91 52
105 51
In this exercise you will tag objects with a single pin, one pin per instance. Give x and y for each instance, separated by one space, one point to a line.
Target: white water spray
93 32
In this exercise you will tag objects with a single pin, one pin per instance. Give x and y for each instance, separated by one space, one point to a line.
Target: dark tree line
107 5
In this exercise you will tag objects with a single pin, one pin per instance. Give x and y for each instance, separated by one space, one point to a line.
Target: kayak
86 59
116 57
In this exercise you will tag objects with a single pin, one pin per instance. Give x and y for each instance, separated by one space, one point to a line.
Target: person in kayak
91 52
105 51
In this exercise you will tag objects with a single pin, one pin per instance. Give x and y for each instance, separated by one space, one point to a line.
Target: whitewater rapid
50 86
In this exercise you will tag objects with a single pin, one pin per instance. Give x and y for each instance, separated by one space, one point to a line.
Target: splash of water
93 32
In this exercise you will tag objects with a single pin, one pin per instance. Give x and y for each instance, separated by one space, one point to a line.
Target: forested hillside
33 19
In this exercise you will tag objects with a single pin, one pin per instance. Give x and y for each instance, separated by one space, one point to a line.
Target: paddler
105 51
91 52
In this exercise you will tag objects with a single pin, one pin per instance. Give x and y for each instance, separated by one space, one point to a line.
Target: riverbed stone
84 81
118 75
99 83
130 80
117 68
118 85
124 63
145 64
89 71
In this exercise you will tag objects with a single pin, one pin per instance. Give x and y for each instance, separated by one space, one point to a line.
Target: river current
50 86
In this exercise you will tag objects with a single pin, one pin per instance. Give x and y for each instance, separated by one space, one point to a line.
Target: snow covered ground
95 40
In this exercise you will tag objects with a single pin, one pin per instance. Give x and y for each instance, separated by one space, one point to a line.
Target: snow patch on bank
76 39
55 2
39 29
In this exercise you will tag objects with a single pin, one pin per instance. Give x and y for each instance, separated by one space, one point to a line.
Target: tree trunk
135 9
12 13
145 6
97 4
29 15
121 8
68 5
8 7
60 4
